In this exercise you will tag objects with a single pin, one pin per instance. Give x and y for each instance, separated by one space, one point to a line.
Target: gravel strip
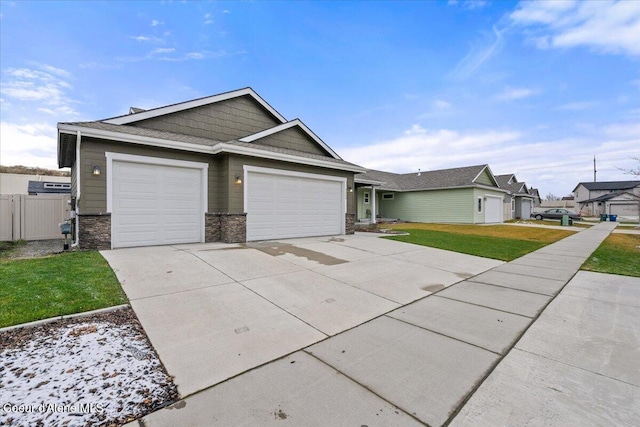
36 249
90 371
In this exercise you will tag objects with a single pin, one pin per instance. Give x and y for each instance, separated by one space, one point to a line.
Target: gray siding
236 191
294 139
223 121
93 198
448 206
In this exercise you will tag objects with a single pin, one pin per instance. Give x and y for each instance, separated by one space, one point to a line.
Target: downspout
78 168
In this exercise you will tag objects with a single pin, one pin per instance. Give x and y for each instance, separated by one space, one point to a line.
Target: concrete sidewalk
420 363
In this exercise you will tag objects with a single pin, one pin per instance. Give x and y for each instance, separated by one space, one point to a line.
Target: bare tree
636 171
551 196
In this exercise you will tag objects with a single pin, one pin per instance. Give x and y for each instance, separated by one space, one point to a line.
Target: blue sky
536 89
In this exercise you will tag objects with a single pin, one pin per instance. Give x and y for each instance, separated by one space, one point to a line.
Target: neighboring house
608 197
15 183
43 187
226 168
537 200
460 195
519 202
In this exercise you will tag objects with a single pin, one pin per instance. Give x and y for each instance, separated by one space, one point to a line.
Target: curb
65 316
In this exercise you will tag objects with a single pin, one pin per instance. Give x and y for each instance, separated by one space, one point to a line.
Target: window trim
388 196
479 205
366 197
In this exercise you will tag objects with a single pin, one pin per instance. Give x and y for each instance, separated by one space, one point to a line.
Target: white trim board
161 111
289 125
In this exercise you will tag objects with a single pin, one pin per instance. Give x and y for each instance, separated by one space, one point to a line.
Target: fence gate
25 217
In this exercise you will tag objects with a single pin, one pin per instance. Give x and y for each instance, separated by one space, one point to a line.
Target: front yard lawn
503 242
38 288
618 254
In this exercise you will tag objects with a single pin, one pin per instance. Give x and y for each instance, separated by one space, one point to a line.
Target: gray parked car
557 214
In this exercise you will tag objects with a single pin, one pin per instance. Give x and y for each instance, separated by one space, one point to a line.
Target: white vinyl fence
25 217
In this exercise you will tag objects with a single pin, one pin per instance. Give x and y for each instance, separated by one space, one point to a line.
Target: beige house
608 197
226 168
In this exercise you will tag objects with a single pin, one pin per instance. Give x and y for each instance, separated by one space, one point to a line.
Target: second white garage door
283 204
155 204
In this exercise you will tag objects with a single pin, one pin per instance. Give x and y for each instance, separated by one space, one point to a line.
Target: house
608 197
43 187
226 167
537 200
519 202
16 183
460 195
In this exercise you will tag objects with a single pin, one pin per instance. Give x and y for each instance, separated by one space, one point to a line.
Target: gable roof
509 182
136 116
293 123
608 185
428 180
136 135
610 196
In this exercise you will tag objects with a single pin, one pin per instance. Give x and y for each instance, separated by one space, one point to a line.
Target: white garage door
526 209
493 209
155 204
623 209
284 205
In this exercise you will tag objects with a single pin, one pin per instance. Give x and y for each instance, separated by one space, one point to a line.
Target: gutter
78 168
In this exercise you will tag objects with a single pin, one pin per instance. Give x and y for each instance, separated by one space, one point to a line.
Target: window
387 196
479 204
366 198
513 205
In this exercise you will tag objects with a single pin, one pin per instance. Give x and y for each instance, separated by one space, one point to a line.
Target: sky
536 89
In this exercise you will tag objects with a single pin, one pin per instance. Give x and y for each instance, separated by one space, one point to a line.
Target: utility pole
594 168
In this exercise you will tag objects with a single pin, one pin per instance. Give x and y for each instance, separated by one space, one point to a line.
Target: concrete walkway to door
420 363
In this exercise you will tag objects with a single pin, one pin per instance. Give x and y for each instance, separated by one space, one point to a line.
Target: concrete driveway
213 311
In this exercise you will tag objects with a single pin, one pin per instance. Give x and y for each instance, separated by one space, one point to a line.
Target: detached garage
224 168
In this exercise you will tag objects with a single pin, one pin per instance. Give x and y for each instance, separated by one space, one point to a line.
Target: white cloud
440 104
28 145
162 50
46 88
577 106
511 94
506 151
478 54
469 4
207 19
155 23
151 39
603 26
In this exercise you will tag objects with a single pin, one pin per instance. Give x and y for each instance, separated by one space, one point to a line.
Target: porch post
373 204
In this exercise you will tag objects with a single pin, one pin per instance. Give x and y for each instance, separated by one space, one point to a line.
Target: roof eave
161 111
206 149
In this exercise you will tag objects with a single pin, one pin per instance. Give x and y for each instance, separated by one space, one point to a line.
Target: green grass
38 288
503 242
618 254
485 246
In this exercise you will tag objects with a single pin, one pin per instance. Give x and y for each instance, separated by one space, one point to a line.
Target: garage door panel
156 204
281 206
493 210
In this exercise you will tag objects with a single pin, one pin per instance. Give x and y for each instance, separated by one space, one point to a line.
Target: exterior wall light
96 170
350 189
238 180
